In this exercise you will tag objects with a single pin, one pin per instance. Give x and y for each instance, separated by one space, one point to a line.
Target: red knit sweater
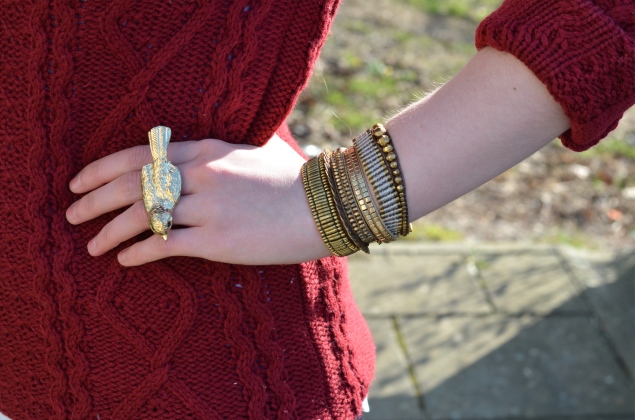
584 52
82 337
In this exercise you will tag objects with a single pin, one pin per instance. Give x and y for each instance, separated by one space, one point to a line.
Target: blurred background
384 54
516 300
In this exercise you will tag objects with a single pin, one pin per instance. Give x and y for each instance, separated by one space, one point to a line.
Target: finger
181 242
113 166
134 221
119 193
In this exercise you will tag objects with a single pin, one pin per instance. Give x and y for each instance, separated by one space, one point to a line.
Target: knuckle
159 248
138 156
165 247
105 236
171 247
86 205
211 148
139 213
202 147
90 175
190 175
131 184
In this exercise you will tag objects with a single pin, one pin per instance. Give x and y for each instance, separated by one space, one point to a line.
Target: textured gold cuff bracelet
339 191
323 208
340 169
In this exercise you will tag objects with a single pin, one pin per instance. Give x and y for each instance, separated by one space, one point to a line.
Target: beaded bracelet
389 154
379 175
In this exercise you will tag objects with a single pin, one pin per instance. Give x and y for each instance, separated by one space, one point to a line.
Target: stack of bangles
350 213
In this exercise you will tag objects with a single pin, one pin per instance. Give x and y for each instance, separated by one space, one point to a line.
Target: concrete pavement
498 332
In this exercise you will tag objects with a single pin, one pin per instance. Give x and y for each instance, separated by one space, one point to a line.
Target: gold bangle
379 175
321 202
360 228
338 237
363 198
335 185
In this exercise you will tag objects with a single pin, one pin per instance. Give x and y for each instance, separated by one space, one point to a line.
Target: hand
240 204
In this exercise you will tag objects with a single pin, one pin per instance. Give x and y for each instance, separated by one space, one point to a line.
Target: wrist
308 239
338 186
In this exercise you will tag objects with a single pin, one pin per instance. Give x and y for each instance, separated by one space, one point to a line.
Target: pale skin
246 205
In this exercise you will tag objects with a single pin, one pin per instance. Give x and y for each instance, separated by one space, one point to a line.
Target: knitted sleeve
582 50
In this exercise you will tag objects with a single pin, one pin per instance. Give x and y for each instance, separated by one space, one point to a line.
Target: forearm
493 114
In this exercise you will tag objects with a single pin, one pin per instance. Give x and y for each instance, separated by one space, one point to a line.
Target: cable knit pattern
74 360
582 50
83 337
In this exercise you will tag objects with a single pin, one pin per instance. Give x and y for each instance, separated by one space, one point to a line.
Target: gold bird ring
160 183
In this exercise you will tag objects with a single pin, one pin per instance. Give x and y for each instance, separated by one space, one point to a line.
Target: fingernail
122 256
91 245
75 183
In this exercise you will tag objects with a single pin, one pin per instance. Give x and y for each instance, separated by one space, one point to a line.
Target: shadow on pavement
556 342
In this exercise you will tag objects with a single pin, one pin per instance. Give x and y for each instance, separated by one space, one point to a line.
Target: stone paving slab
522 281
392 394
609 284
498 367
551 351
413 283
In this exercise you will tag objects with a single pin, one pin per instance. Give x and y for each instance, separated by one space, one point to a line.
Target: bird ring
160 183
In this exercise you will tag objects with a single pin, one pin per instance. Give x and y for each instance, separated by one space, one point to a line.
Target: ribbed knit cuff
583 53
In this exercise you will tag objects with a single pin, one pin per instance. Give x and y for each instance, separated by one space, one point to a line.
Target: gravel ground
384 54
